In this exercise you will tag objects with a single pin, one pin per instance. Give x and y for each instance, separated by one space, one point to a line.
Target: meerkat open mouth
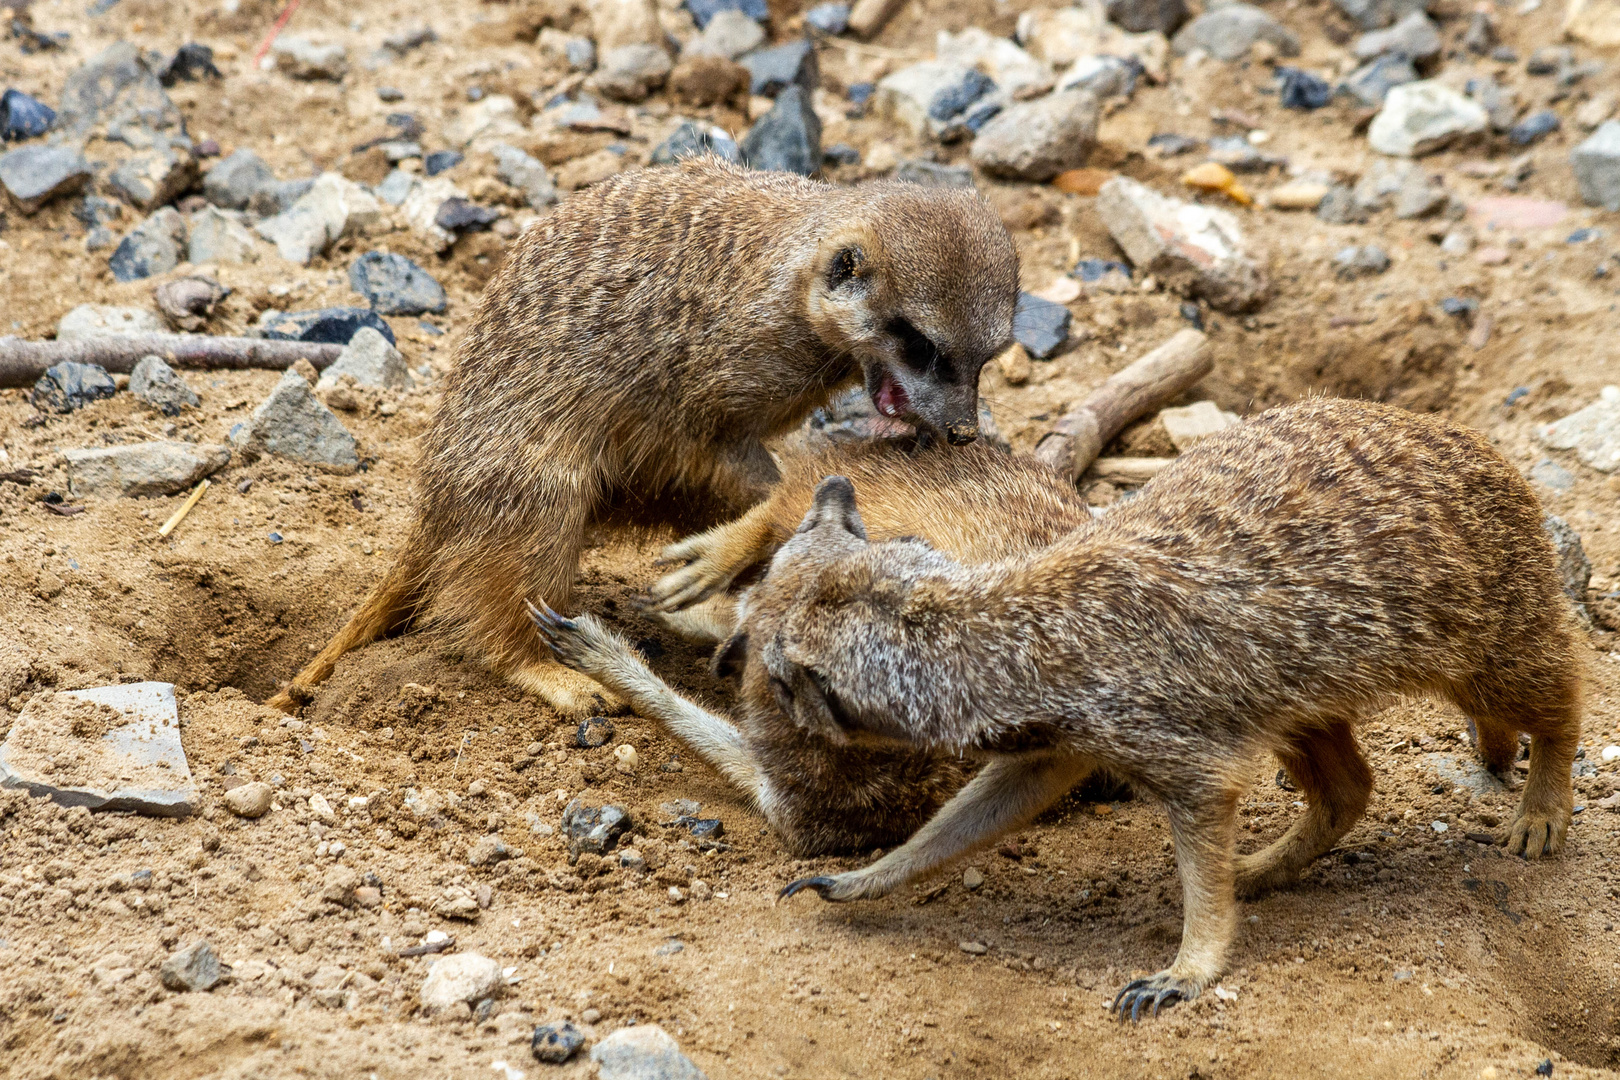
890 397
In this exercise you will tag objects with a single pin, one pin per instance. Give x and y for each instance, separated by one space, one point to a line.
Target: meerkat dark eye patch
918 352
845 267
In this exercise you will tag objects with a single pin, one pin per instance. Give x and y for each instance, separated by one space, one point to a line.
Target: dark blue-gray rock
194 968
703 828
155 246
1228 33
1574 568
394 285
704 10
954 99
786 139
1361 261
770 71
555 1043
933 174
463 215
390 94
190 63
593 829
1596 163
1298 89
117 94
594 731
1144 16
1549 60
1040 326
69 385
841 154
34 175
292 423
1089 270
1169 144
234 180
160 386
828 18
440 160
1371 83
860 93
692 139
335 325
1414 37
23 117
1533 127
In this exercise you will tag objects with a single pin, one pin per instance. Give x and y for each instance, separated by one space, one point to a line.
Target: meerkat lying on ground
639 343
1279 582
975 502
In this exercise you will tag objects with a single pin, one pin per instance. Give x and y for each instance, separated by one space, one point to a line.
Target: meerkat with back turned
1275 585
974 502
639 345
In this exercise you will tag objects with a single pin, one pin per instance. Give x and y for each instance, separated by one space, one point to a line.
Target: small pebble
249 800
973 948
972 878
555 1043
593 732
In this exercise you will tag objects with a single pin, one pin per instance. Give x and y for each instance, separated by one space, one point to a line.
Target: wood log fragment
1128 470
1162 375
867 17
23 362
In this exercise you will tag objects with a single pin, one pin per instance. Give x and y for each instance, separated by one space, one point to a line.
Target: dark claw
1140 992
1170 995
819 884
1129 988
548 622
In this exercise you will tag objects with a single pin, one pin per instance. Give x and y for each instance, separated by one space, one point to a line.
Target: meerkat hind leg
570 693
1328 766
1205 837
711 560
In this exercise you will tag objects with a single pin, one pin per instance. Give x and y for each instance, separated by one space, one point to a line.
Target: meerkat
637 348
975 502
1273 586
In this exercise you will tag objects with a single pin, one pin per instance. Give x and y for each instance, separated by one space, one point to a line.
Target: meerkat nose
961 434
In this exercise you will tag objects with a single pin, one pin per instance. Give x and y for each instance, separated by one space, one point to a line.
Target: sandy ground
1409 952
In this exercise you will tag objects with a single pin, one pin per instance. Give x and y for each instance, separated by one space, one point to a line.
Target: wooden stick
22 362
1128 470
868 16
1162 375
185 508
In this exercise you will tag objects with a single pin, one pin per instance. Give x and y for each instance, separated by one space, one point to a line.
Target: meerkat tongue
891 398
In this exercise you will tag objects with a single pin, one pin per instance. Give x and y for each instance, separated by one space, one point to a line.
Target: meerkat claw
1152 992
821 886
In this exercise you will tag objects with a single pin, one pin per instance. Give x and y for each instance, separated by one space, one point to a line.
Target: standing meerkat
976 502
636 348
1276 584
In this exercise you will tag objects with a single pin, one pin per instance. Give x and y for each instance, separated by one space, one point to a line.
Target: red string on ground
281 21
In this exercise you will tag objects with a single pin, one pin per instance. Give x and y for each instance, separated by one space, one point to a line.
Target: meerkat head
919 286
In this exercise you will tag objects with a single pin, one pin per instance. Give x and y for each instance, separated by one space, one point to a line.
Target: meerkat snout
834 507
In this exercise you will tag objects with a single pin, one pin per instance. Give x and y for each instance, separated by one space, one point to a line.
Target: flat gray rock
1459 771
1597 167
137 764
643 1052
1593 432
34 175
369 360
1422 117
116 93
149 468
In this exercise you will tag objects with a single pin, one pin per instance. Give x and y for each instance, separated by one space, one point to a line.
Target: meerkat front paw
707 568
1534 834
581 643
1157 992
837 888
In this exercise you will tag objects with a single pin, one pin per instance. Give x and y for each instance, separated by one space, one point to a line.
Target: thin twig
185 508
22 362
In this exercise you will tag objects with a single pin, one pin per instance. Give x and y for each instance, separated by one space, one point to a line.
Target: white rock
249 800
617 23
1593 22
643 1052
135 469
1593 432
457 978
104 320
730 33
1013 69
1188 246
903 97
1421 117
1611 752
302 58
321 808
492 119
529 175
333 207
1063 35
1036 140
218 236
1192 424
422 205
370 360
1597 167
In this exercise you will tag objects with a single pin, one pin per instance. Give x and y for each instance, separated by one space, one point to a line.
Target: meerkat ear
729 657
809 705
835 504
846 264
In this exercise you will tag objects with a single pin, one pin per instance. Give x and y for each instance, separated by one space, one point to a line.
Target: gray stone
1190 247
1036 140
332 208
593 828
631 72
1419 197
23 116
194 968
370 360
525 173
117 95
136 469
235 179
1593 432
1574 568
773 70
1230 31
1373 14
394 285
1597 167
188 302
786 139
643 1052
489 850
302 58
1501 103
1370 83
933 174
1240 155
1361 261
396 187
336 325
1553 476
250 800
1422 117
693 138
152 247
580 53
151 179
161 387
1338 206
141 761
70 385
1142 16
218 236
555 1043
291 423
729 34
1040 326
34 175
906 97
441 161
460 977
1383 181
1415 37
832 18
1105 76
1534 127
1468 773
102 320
